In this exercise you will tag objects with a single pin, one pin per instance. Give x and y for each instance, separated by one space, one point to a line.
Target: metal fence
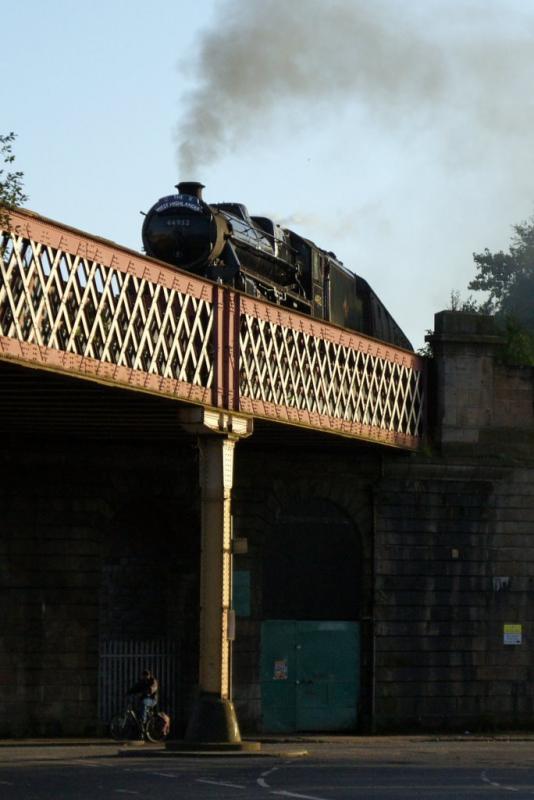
121 665
303 371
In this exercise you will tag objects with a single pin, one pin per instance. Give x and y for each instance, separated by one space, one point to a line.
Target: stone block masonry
447 546
447 563
447 585
95 543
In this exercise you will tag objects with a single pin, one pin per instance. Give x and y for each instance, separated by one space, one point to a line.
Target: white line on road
164 774
261 780
126 791
303 796
499 785
6 783
264 785
221 783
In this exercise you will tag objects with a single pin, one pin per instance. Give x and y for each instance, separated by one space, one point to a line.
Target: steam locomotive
222 242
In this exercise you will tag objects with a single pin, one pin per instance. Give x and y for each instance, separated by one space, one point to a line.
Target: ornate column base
213 719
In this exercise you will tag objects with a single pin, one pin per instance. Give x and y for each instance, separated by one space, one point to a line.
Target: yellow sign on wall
512 634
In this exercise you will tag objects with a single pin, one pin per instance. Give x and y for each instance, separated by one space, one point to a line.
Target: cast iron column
213 718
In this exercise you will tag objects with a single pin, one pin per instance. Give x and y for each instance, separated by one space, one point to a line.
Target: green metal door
310 675
278 676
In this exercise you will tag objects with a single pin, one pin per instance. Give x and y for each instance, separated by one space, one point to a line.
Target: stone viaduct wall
97 541
448 561
447 546
100 540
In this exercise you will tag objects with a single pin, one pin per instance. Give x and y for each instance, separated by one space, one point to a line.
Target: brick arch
354 508
257 505
356 505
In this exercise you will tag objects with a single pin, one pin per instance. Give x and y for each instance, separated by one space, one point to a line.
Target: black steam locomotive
224 243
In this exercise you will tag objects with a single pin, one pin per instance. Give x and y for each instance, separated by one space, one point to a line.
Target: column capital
209 422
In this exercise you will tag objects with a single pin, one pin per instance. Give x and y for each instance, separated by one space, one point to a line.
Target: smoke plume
418 115
437 63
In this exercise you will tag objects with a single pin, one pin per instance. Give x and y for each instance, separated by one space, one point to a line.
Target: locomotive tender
222 242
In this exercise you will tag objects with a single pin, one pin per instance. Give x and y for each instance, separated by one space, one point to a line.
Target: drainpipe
374 487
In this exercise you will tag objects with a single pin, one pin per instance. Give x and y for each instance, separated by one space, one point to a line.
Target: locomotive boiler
222 242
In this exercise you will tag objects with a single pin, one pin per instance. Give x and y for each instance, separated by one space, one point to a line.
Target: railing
121 663
88 307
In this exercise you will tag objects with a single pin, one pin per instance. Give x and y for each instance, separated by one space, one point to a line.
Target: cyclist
146 692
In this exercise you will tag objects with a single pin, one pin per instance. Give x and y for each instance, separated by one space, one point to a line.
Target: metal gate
121 664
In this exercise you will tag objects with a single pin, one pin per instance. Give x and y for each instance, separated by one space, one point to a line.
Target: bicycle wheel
122 728
156 728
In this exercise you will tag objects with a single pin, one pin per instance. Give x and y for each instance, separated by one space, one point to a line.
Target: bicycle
127 726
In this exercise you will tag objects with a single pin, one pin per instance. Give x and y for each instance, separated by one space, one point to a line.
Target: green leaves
11 192
508 279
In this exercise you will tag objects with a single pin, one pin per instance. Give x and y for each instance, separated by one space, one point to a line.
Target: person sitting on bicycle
146 690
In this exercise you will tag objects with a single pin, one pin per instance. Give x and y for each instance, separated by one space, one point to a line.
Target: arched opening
312 564
311 598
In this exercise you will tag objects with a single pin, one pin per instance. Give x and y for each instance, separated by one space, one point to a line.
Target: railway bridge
88 308
112 364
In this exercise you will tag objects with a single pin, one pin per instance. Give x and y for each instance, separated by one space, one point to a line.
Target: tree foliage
508 278
457 304
11 191
508 281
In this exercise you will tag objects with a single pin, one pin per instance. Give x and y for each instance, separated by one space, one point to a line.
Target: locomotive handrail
85 306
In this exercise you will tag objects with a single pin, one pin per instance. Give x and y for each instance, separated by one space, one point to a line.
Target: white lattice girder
301 371
90 307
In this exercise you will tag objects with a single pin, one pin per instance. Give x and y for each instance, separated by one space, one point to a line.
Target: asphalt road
381 768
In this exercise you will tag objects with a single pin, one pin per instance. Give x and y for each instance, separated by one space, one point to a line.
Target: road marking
221 783
499 785
264 785
126 791
164 774
6 783
303 796
261 780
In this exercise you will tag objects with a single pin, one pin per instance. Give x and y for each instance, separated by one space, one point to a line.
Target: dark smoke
264 55
442 63
425 106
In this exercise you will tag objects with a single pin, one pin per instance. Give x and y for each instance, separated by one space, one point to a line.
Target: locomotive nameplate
179 201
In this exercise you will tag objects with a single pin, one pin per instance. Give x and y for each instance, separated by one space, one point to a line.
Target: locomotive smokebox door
183 230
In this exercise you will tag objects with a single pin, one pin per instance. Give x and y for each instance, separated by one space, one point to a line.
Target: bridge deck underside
91 309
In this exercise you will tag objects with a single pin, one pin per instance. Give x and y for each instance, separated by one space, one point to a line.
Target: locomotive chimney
190 187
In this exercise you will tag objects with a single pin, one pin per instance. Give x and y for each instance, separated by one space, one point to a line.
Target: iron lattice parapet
307 373
88 307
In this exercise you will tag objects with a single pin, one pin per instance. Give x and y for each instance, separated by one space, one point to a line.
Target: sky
396 133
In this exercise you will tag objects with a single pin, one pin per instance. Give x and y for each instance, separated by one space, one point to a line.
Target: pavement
285 746
175 749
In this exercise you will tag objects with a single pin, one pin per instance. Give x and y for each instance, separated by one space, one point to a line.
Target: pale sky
397 133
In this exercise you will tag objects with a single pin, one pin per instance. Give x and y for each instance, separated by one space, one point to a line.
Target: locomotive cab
346 306
276 235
